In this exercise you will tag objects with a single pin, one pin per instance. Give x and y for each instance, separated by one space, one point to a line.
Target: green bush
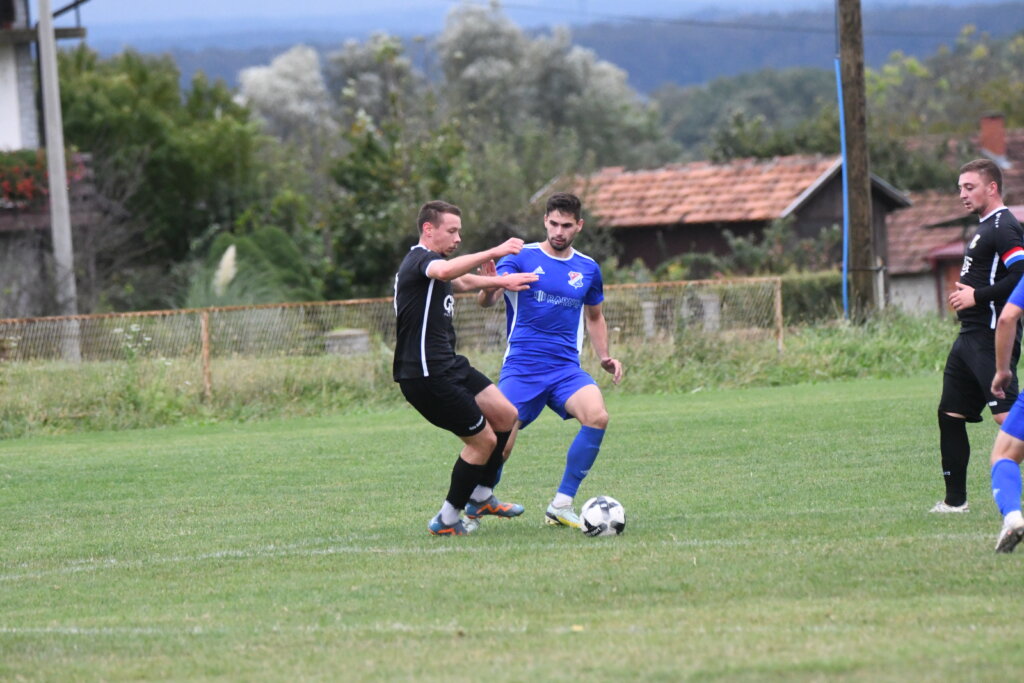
809 298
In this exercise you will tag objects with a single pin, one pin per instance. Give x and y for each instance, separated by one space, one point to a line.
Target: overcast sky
96 12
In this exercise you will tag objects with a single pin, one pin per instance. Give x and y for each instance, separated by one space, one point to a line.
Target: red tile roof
704 192
912 236
1013 177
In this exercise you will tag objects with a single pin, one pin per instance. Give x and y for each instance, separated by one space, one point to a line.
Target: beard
566 244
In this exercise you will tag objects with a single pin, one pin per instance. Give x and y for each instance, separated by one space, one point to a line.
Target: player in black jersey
993 265
441 384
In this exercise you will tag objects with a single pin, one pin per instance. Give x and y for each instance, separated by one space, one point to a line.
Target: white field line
389 627
452 545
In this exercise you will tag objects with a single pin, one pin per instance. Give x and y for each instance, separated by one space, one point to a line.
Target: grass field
773 534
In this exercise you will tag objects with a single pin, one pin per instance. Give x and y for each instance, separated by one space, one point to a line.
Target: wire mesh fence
203 338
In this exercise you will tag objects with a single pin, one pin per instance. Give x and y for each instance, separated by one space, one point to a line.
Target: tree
290 96
373 79
384 179
780 99
189 158
496 75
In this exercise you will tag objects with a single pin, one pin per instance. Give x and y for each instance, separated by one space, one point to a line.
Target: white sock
449 513
481 494
561 500
1013 519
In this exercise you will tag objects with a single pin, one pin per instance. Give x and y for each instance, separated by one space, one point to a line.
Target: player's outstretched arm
597 330
448 270
1006 333
513 282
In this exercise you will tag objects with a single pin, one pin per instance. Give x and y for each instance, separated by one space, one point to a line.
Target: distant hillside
652 51
655 53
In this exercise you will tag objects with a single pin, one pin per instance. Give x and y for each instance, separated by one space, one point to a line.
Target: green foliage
785 97
385 178
268 268
189 157
950 89
811 298
498 76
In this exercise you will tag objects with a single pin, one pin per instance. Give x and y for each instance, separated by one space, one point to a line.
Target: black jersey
993 264
424 308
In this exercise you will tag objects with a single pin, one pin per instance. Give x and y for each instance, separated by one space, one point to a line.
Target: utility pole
863 261
60 213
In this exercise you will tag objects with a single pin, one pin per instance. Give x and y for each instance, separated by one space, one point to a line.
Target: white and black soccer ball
602 516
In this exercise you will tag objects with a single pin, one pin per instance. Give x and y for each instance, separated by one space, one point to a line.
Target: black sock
956 453
465 478
497 459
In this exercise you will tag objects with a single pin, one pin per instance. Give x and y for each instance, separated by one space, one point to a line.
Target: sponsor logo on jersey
449 305
567 301
967 265
575 279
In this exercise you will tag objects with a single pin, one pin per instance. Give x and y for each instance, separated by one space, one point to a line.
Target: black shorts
448 400
967 379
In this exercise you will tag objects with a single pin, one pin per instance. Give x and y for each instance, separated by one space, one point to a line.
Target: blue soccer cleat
492 506
438 528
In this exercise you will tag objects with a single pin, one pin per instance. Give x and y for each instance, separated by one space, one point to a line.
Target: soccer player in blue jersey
1008 450
993 265
545 338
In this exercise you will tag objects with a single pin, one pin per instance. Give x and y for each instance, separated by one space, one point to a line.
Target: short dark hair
565 203
431 212
987 168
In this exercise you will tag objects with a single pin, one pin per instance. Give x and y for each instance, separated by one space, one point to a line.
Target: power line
700 23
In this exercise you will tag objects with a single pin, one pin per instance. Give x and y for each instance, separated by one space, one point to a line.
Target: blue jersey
1017 296
545 322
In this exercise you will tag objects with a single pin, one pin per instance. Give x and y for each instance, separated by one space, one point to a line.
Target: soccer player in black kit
441 384
993 265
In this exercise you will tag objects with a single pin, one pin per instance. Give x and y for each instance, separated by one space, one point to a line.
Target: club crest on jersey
575 279
974 242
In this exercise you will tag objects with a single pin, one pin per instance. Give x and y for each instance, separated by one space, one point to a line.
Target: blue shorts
531 387
1014 422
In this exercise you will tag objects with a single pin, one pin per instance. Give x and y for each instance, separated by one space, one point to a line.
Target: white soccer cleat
942 507
561 516
1009 537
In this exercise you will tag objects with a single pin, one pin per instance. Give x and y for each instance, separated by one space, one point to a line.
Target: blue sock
581 456
1006 486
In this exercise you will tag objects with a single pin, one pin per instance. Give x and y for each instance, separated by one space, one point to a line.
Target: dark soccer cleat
492 506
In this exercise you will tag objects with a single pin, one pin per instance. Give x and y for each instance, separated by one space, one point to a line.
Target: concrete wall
10 107
19 119
914 294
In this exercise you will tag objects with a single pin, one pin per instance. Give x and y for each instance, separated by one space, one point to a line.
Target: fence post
204 332
778 313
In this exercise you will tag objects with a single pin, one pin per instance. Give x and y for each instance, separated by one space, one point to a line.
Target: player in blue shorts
545 338
1008 451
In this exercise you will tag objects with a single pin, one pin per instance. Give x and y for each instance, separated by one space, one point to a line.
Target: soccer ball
602 516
